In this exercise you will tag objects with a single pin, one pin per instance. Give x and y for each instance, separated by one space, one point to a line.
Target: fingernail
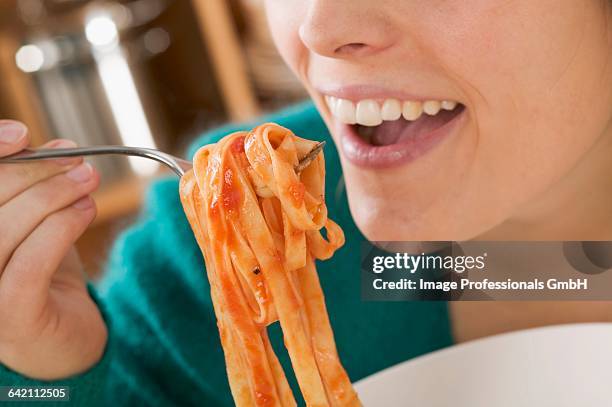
60 143
83 203
63 143
11 132
81 173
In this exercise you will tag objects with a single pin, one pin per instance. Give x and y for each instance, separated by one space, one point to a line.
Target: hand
50 328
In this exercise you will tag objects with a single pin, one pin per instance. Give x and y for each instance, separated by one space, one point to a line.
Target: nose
345 28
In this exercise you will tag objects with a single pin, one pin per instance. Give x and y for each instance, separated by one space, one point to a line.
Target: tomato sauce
230 196
297 190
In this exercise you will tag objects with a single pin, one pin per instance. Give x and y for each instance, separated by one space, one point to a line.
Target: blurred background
150 73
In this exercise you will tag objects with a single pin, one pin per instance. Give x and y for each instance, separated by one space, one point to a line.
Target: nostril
351 48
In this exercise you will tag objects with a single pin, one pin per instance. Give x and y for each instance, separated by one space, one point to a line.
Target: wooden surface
219 34
18 89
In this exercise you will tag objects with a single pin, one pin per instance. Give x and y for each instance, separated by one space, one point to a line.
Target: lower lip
365 155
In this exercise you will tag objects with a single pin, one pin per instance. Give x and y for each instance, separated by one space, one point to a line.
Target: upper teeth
369 112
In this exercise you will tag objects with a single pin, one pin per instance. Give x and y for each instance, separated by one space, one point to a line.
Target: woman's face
533 85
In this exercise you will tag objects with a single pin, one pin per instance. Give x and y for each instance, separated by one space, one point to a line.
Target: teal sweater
164 347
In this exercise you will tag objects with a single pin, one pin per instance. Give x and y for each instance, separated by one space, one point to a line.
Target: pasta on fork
258 223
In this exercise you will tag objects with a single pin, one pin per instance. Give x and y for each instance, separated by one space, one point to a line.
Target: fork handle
178 165
31 154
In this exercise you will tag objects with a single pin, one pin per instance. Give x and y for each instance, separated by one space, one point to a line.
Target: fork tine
308 158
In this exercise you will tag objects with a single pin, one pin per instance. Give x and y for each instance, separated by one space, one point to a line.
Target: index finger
13 137
16 178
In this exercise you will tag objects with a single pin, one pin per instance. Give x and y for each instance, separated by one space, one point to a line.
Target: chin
380 220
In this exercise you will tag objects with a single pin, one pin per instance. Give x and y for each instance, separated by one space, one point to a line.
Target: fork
176 164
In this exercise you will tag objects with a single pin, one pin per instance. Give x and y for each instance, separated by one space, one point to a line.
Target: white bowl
565 365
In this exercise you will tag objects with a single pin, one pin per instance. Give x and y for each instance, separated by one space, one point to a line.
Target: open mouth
383 133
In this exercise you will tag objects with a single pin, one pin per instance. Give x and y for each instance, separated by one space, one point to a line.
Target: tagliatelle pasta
258 223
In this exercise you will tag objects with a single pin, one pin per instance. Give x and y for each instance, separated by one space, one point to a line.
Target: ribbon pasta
258 224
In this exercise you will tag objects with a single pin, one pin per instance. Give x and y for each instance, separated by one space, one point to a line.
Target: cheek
530 74
284 19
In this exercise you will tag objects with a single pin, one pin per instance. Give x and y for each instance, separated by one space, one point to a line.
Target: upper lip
361 92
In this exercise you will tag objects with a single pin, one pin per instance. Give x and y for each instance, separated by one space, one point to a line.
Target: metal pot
86 66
